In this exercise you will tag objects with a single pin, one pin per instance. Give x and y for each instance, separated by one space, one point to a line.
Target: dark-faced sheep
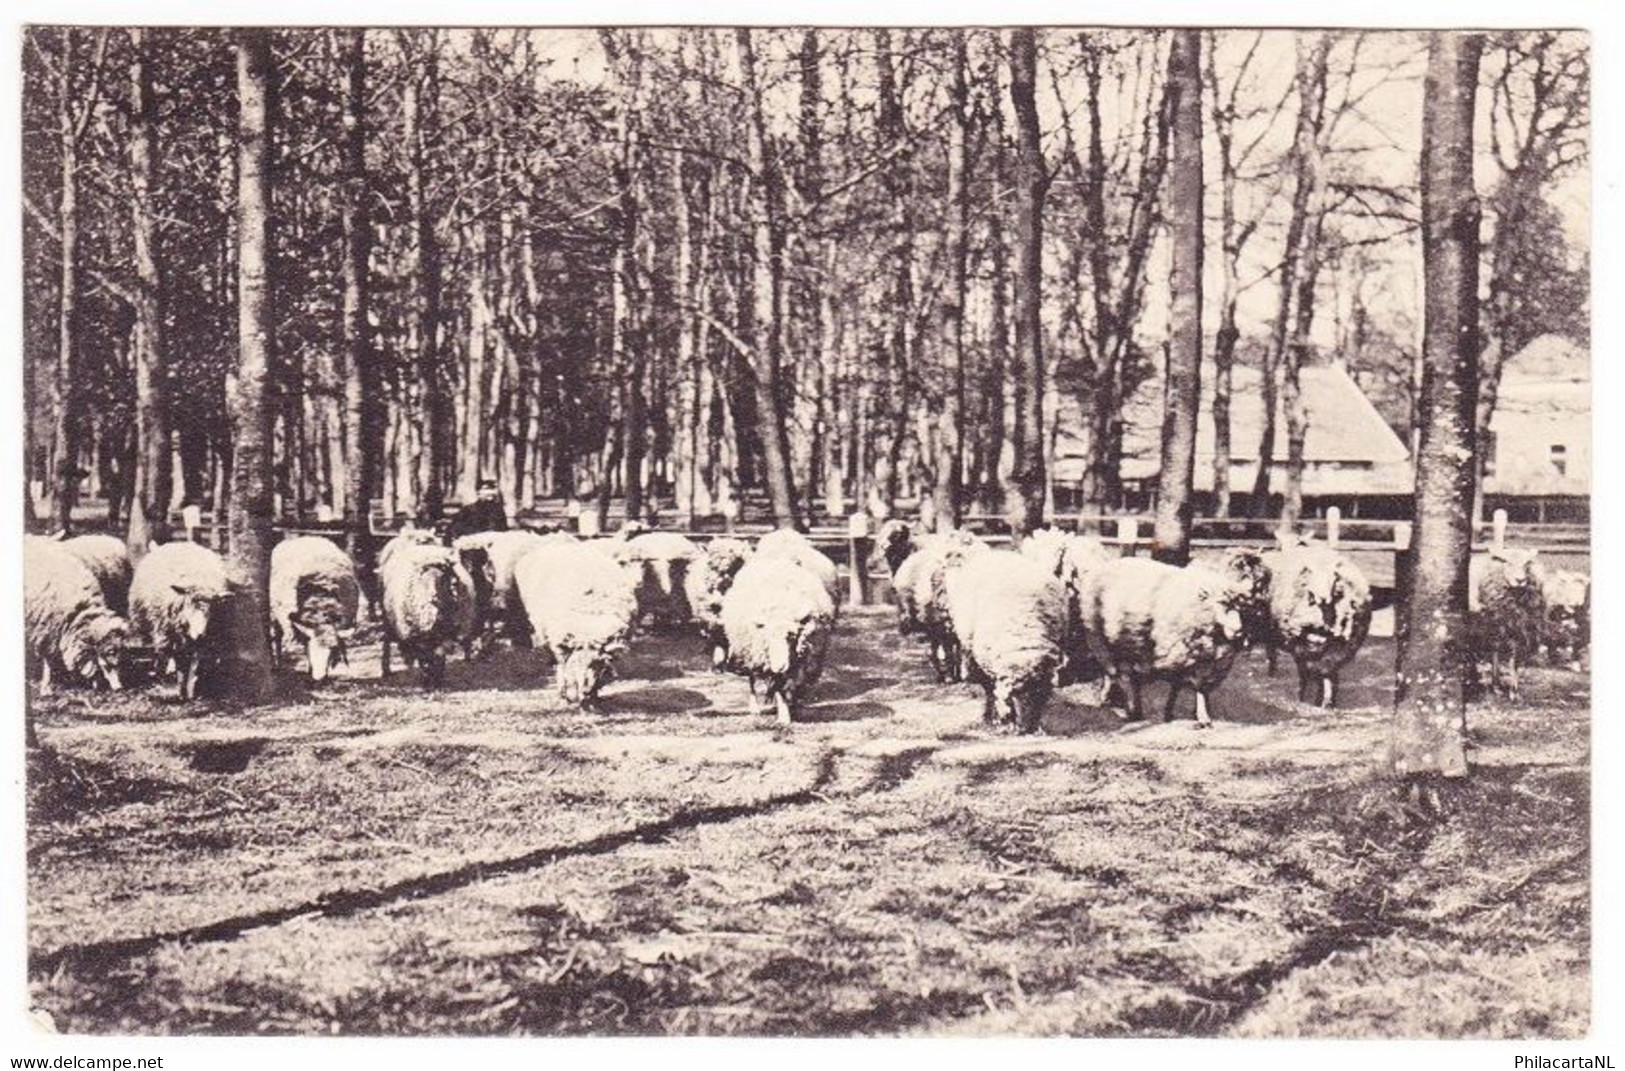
581 603
1009 614
1319 613
70 631
1508 611
428 603
314 596
174 596
108 560
1143 620
777 618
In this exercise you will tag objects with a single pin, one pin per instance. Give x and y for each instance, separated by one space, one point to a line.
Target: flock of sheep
1018 623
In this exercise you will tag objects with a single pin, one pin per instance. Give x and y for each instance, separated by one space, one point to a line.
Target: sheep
1250 572
1567 596
791 545
922 600
708 581
659 563
1070 559
314 594
1319 610
1010 615
109 562
581 604
428 602
68 627
174 595
777 618
1145 619
490 558
894 543
1507 610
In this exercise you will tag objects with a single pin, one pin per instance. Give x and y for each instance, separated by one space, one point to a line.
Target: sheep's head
93 650
1249 579
586 670
318 627
1520 569
196 608
894 543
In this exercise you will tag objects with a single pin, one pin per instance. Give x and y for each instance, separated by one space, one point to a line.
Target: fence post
1128 534
586 521
857 557
1498 530
191 518
1334 524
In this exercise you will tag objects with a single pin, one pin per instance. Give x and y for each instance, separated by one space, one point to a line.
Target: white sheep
1567 595
920 587
790 545
581 603
659 563
428 603
108 560
68 628
1071 559
174 595
1319 611
314 596
777 618
1143 619
1010 617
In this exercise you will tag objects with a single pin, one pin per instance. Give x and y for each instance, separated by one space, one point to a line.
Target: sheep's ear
177 589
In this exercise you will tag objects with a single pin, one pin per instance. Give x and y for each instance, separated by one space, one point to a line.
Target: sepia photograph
805 531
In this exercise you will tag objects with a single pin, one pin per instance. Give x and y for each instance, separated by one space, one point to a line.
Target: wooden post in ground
1498 531
1128 533
1334 526
857 557
192 518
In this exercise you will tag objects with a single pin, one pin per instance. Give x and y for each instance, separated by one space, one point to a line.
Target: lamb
314 595
68 628
708 581
777 618
581 604
659 563
1508 611
1319 610
1567 596
174 595
1144 619
428 602
922 600
1010 615
109 562
791 545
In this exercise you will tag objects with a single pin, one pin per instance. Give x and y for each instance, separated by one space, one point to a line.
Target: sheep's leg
1131 692
1328 690
46 685
1030 712
951 661
1271 657
1203 721
755 695
186 670
781 703
384 659
990 711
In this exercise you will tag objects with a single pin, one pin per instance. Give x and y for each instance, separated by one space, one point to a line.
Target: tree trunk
1172 535
950 437
64 453
246 669
151 481
1026 506
765 282
1429 706
423 273
363 392
1300 233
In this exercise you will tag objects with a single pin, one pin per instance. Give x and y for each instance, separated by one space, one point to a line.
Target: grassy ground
369 858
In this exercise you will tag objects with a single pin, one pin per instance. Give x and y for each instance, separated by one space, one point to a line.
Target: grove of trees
830 269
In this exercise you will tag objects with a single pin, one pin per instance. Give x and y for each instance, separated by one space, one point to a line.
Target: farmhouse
1537 462
1352 458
